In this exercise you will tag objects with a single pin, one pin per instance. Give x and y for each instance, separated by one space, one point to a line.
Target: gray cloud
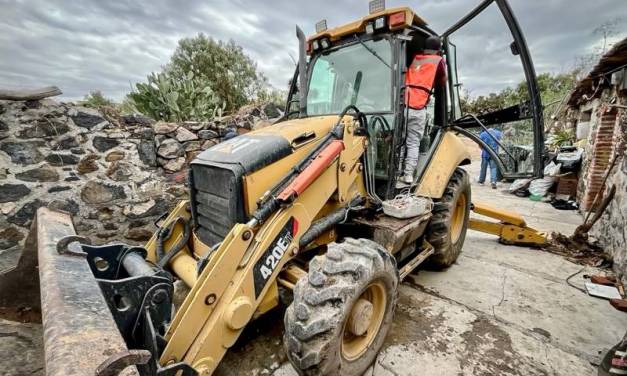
109 45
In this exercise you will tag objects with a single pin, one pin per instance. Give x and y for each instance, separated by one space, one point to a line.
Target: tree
95 99
553 89
227 70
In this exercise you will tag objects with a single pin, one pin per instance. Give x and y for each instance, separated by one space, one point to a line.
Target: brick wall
611 230
602 141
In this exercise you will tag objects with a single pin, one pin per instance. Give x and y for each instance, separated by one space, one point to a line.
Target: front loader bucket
80 334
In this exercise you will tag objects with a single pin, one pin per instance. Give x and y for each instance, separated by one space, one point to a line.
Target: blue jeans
484 166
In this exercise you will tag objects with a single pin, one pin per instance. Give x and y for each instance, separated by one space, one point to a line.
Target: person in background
489 139
428 68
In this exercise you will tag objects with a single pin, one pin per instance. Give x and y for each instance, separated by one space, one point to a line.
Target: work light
369 28
379 23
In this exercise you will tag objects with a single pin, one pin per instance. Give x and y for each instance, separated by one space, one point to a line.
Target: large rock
161 127
44 127
4 130
88 164
209 143
138 234
192 145
10 237
66 142
135 120
146 134
86 118
119 171
115 155
145 209
44 173
208 134
13 192
183 135
23 153
170 149
147 153
26 213
103 144
62 159
59 188
95 192
68 205
172 165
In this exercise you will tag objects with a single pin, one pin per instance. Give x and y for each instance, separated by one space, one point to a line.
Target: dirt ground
500 310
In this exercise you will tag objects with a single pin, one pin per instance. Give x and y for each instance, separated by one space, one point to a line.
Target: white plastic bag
552 169
518 184
539 187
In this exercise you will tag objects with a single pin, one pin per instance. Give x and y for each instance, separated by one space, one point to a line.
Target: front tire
447 229
342 310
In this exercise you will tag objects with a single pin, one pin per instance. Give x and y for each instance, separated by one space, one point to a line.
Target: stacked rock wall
115 174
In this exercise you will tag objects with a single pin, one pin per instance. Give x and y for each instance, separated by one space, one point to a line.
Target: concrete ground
500 310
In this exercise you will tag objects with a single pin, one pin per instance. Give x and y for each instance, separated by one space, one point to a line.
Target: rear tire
342 310
447 229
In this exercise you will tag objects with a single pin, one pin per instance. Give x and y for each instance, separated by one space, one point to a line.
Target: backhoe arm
511 228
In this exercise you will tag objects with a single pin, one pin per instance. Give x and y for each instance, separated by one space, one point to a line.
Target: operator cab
364 63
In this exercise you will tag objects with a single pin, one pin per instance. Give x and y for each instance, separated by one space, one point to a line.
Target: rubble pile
115 174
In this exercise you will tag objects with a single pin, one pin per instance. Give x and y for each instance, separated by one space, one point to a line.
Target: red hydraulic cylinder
311 172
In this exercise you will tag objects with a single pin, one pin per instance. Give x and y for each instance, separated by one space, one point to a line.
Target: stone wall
611 230
115 174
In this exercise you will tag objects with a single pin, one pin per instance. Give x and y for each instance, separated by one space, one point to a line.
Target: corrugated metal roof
612 59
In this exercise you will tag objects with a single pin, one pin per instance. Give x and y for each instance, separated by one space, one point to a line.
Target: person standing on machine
427 68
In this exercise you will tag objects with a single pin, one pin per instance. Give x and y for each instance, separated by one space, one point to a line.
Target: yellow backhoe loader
307 207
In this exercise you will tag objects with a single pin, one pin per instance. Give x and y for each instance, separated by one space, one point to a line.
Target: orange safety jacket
420 78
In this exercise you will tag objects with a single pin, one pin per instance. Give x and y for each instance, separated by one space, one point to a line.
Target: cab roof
359 26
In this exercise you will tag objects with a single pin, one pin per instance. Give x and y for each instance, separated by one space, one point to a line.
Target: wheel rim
364 321
458 218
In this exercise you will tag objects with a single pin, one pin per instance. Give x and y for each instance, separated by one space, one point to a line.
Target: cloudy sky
109 45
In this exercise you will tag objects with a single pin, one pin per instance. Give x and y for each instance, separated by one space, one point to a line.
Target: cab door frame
518 47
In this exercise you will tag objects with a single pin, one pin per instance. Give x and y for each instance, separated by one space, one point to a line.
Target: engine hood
257 149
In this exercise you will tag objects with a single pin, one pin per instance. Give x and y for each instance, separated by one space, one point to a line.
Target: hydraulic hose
164 234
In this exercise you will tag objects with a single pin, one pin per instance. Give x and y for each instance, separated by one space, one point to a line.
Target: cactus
184 98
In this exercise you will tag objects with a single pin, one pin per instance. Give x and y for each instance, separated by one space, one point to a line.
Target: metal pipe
302 72
285 283
184 266
136 266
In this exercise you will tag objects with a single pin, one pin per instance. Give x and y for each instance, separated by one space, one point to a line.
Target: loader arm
244 268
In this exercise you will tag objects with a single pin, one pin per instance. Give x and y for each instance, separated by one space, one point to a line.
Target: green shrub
95 99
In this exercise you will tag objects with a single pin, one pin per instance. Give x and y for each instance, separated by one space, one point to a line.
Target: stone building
597 109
